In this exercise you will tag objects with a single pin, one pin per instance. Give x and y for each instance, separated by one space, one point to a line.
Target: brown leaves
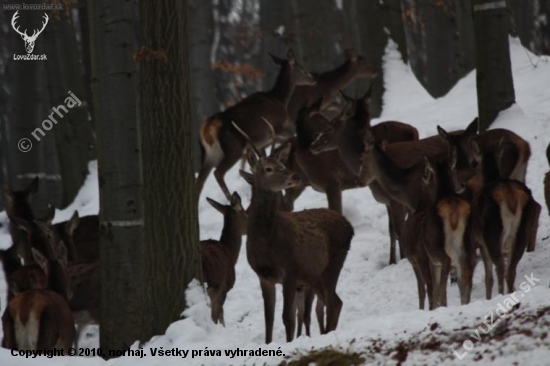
148 54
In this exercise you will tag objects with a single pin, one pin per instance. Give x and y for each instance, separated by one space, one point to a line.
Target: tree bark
495 85
73 133
123 281
273 22
27 106
171 219
201 80
437 42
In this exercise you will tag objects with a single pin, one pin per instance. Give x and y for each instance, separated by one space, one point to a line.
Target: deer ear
476 151
40 259
368 94
453 159
249 178
290 56
472 127
62 253
283 153
236 201
277 60
218 206
251 158
72 224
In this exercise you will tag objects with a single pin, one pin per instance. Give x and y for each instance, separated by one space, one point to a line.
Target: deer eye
269 169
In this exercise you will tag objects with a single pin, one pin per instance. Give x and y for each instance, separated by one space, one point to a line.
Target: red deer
329 83
503 148
306 248
345 134
38 318
220 256
504 220
547 181
81 235
222 145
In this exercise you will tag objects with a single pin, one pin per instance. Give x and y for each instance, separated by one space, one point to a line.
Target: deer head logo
29 40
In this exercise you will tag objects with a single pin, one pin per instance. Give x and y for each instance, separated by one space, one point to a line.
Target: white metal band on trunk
490 6
125 223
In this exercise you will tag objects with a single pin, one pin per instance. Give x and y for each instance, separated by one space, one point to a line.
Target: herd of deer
446 196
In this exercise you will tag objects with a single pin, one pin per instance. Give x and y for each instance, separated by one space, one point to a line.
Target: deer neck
231 236
263 207
336 79
284 86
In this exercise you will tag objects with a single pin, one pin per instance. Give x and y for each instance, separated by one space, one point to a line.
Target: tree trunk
73 132
366 21
437 42
394 23
26 108
273 24
495 86
123 311
201 78
171 219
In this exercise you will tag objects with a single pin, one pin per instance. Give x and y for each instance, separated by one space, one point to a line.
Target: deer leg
436 270
488 265
320 314
501 274
511 275
334 198
300 305
289 306
269 296
333 301
227 163
444 278
309 297
9 331
203 174
211 292
223 296
427 278
391 229
421 287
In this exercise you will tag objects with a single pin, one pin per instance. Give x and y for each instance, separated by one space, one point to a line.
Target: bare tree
112 34
171 218
495 85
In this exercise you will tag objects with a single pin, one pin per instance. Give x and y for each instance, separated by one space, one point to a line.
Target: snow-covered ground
380 318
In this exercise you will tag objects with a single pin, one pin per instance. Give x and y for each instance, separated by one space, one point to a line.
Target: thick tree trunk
201 80
394 23
171 218
73 133
437 42
495 85
273 24
123 311
366 21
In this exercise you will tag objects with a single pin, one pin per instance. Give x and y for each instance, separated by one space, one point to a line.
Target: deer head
29 40
359 65
232 212
269 173
298 74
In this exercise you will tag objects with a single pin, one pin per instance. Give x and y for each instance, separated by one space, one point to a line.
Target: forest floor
380 323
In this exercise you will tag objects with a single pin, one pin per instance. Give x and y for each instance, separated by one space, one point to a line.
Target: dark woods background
228 44
148 73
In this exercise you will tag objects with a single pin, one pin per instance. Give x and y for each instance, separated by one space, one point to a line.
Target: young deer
306 248
345 132
222 145
505 220
220 256
81 235
37 318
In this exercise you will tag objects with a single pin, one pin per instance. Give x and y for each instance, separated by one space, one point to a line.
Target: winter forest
274 182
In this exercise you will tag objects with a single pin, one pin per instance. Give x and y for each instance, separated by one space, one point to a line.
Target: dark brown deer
504 220
306 248
345 133
500 147
220 256
81 235
222 145
329 83
37 318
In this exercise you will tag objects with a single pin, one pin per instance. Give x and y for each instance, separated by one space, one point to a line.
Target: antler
37 33
272 132
258 152
13 19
